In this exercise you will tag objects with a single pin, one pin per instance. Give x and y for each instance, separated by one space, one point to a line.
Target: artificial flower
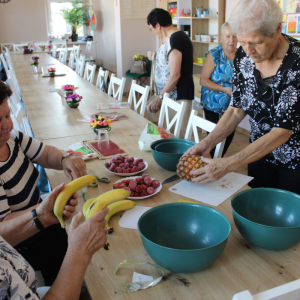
68 87
51 70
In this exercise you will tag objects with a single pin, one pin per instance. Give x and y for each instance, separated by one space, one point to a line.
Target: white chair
40 44
80 65
4 63
198 122
9 46
63 56
177 119
8 59
19 47
88 51
288 291
102 79
89 72
76 51
71 61
30 43
53 51
111 88
59 43
16 98
144 91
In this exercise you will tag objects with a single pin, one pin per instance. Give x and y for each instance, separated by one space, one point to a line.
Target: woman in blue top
216 80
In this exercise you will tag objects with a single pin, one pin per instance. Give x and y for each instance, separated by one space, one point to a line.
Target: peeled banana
106 199
115 208
65 195
86 205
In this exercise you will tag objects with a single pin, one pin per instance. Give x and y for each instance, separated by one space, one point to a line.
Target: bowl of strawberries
126 166
140 187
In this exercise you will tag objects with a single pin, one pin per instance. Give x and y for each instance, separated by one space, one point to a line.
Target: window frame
50 28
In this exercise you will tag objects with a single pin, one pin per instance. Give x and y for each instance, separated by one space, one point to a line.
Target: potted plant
75 16
73 100
51 72
100 123
68 88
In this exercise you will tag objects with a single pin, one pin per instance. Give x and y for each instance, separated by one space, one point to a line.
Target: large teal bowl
268 218
184 237
167 152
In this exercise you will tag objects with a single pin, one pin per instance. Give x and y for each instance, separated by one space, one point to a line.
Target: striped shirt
18 175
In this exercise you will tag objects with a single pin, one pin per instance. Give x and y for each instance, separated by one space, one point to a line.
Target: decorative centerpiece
49 47
100 123
51 72
35 61
68 88
43 47
73 100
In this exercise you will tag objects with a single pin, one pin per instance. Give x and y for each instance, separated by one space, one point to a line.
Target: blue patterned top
222 75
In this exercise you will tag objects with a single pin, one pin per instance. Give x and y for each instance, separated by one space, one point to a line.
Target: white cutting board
213 193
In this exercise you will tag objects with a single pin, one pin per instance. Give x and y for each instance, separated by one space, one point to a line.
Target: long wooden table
240 267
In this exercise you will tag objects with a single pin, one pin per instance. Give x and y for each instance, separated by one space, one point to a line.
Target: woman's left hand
75 165
213 171
155 104
45 209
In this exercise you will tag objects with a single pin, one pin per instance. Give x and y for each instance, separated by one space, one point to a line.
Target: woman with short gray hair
266 88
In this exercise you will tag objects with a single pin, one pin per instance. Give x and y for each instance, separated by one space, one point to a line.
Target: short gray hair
225 25
263 16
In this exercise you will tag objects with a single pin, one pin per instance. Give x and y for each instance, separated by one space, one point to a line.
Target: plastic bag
150 134
151 116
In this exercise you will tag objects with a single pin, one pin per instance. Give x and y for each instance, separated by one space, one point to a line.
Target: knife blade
172 178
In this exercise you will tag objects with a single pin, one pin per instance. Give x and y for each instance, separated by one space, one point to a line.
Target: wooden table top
240 267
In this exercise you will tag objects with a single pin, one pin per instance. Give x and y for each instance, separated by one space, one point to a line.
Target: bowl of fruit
140 187
126 166
167 152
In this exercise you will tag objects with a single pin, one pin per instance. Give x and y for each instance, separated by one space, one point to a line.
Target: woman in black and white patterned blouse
266 88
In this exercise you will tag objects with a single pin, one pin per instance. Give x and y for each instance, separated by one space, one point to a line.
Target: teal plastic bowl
167 152
184 237
268 218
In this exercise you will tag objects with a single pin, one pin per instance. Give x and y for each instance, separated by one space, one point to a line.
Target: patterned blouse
222 75
17 278
278 106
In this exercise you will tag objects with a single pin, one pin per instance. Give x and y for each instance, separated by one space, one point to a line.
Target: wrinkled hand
202 148
45 209
75 165
213 171
155 104
228 90
150 55
90 236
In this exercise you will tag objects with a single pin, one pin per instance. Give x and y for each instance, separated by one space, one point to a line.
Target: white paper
213 193
137 277
131 217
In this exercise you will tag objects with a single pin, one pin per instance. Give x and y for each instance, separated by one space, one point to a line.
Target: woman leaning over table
216 80
17 277
19 192
266 88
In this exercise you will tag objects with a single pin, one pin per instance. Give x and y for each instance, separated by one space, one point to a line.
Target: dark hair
161 16
5 91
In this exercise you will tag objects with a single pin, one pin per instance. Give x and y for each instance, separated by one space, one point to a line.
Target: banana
65 195
86 205
115 208
105 199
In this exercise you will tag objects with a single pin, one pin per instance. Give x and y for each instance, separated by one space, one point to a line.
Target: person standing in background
174 63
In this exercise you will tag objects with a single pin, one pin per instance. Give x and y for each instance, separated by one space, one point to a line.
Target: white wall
132 37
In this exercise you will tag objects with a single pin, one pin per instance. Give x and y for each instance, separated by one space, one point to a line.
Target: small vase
74 105
52 74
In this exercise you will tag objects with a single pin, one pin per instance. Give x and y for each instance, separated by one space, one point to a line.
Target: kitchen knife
172 178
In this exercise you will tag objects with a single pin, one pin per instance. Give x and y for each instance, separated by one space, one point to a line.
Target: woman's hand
213 171
45 209
227 90
75 165
202 148
151 55
155 104
88 237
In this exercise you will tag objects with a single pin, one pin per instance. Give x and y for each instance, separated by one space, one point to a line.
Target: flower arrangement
35 63
35 57
73 100
139 57
100 122
43 47
68 87
51 70
49 47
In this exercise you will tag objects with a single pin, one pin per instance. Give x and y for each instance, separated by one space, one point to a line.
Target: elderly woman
17 278
266 88
19 192
216 79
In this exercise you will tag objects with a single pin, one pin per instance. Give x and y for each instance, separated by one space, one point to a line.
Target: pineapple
188 163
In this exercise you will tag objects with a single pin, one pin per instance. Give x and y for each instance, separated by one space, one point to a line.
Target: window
57 25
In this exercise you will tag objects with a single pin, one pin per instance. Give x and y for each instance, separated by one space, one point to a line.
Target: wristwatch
160 96
64 156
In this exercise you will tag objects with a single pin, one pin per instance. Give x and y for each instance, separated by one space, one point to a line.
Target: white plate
157 190
129 174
